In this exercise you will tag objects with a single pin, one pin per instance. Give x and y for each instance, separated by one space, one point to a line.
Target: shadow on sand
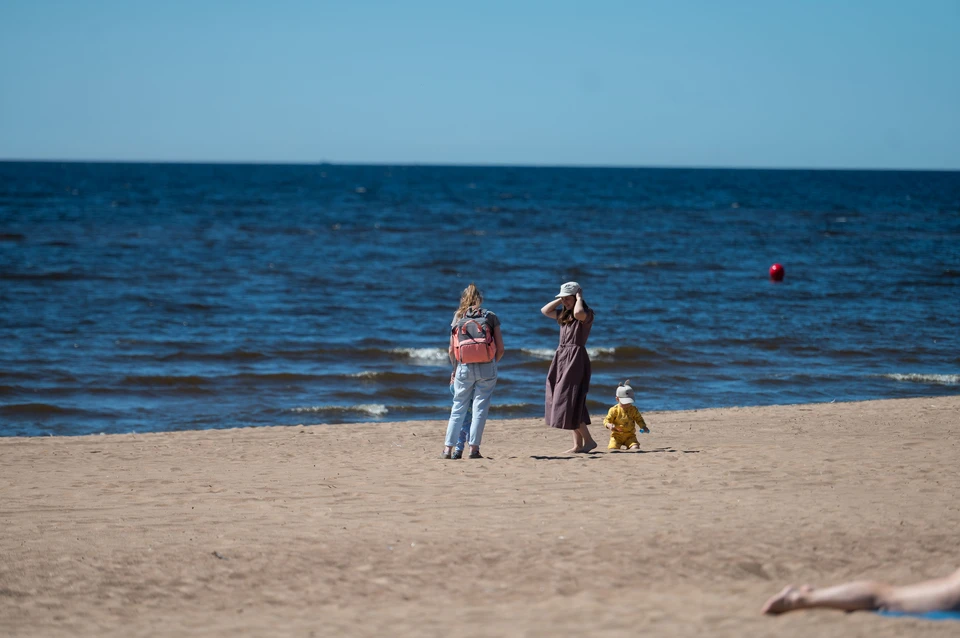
597 455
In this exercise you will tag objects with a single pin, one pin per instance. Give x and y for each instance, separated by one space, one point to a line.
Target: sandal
457 454
476 455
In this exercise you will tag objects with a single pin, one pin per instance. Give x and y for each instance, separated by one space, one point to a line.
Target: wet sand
363 529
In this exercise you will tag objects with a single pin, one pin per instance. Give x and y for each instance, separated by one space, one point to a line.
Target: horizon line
4 160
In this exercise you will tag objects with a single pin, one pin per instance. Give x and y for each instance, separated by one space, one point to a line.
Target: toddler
623 420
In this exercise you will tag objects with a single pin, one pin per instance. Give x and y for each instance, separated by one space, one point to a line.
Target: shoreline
361 529
597 411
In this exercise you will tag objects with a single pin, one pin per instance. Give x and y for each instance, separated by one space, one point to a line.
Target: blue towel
930 615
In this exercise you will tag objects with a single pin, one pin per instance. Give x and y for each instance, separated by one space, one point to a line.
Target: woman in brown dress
568 380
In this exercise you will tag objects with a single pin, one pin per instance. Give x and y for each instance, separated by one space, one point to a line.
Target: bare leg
588 442
940 594
848 597
577 443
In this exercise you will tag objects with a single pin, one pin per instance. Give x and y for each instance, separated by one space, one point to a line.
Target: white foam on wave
539 353
366 374
425 356
547 353
597 353
939 379
373 409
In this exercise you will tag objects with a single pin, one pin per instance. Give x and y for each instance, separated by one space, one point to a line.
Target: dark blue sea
156 297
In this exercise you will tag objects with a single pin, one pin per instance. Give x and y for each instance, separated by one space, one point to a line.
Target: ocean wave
390 376
199 381
421 409
441 410
369 374
189 384
373 409
280 377
404 392
424 356
433 356
51 276
38 410
539 353
234 355
516 409
165 380
601 353
938 379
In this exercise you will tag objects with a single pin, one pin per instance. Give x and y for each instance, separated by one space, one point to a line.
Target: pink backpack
473 339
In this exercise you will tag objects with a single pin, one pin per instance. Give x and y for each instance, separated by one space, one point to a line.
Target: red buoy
776 272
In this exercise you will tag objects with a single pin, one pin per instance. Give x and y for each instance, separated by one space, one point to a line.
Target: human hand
579 294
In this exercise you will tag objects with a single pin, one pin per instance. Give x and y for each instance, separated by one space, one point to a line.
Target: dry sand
364 530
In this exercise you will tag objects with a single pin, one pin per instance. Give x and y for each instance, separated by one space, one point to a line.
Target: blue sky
841 84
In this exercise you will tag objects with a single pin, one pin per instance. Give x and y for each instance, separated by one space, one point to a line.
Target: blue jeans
476 380
465 428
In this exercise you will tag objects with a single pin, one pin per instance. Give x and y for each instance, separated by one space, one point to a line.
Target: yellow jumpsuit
624 419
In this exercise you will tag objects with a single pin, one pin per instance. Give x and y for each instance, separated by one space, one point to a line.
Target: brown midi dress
568 380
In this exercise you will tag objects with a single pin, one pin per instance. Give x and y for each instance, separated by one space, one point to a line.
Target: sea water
156 297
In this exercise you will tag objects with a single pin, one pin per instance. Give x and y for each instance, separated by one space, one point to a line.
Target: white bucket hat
625 392
569 289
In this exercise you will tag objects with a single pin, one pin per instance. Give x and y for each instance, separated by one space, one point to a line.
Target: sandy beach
363 530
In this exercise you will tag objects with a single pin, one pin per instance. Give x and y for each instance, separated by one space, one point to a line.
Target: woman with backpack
476 346
568 379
